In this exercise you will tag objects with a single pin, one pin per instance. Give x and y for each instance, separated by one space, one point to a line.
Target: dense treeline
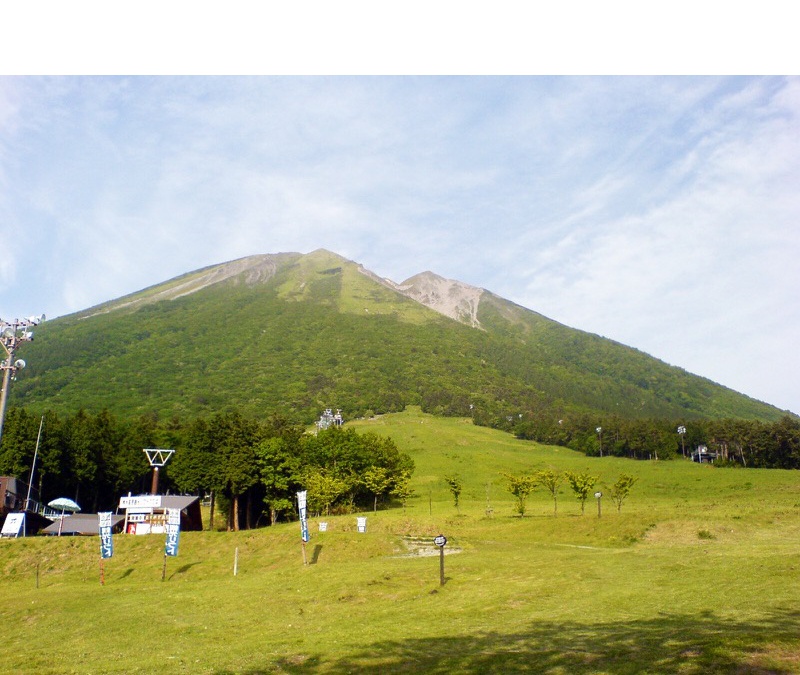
748 443
250 468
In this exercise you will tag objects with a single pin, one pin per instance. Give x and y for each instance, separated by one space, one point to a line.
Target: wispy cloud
660 212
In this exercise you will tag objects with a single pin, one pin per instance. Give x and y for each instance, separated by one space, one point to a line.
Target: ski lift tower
157 458
328 419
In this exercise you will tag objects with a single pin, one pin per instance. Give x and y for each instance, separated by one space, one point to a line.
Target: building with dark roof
147 514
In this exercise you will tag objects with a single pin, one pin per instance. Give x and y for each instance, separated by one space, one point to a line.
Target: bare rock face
251 270
452 298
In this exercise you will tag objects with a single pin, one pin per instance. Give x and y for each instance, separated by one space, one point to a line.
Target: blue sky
661 212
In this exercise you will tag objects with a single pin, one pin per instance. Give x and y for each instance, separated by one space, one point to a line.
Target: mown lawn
698 573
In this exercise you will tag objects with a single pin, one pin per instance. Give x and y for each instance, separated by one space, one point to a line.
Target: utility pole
12 333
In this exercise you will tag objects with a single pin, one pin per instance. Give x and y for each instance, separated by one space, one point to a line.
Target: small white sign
323 527
13 525
361 523
146 501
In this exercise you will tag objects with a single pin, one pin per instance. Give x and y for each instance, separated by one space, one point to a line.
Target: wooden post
236 561
164 569
441 542
305 560
102 572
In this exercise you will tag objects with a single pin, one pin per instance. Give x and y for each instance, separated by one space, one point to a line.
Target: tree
344 454
324 488
242 474
235 440
402 488
455 485
551 480
520 486
377 480
582 485
83 462
19 443
621 489
279 473
195 467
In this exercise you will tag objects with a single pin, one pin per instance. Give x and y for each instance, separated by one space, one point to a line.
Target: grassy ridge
697 574
316 332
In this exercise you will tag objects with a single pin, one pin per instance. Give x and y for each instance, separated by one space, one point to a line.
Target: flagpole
30 480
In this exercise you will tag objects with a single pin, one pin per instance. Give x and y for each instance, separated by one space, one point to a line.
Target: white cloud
657 211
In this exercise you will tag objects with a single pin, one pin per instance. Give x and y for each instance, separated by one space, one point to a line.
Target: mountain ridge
297 333
452 298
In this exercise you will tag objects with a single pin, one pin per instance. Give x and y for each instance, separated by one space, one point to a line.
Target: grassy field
698 573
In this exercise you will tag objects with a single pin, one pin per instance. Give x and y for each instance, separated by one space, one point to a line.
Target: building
704 455
81 523
17 497
147 514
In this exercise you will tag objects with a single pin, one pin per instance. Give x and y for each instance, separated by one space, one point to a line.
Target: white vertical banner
173 532
104 527
303 511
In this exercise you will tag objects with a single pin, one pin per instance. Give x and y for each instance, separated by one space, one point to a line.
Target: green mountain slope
294 333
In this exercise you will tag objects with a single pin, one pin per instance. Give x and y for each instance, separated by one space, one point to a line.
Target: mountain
293 334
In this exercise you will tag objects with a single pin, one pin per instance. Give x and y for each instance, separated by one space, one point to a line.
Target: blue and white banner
301 507
104 527
173 532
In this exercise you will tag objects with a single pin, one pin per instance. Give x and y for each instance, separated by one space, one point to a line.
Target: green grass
639 591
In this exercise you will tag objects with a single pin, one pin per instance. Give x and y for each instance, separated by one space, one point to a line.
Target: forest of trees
733 442
251 469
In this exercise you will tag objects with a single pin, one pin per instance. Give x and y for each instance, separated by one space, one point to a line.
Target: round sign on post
440 540
597 496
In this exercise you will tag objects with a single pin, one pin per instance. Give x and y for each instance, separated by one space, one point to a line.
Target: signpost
598 496
441 542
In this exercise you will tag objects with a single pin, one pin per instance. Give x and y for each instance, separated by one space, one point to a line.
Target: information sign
140 501
13 524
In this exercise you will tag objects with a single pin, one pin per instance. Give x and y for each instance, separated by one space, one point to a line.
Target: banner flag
301 506
104 527
173 531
